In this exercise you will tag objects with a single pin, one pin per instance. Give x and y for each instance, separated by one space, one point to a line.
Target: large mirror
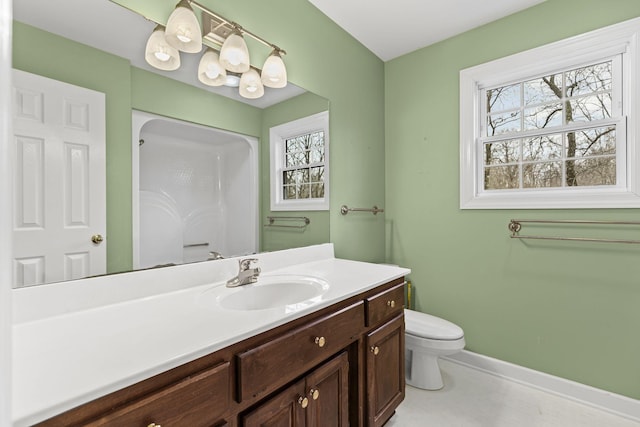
99 45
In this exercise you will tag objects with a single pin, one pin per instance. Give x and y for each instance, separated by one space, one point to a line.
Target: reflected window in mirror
300 164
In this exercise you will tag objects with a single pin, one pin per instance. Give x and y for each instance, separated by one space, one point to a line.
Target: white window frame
277 137
591 47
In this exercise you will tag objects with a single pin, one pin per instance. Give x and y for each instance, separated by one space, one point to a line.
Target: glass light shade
234 54
233 80
250 85
183 29
160 54
274 73
210 72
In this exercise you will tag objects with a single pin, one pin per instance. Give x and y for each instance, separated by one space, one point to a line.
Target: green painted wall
569 309
161 95
274 238
58 58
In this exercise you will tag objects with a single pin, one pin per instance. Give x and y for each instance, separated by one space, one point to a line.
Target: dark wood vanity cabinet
200 399
385 354
385 371
280 360
340 366
320 399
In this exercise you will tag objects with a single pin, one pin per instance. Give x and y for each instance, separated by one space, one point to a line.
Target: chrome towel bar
272 221
344 209
515 225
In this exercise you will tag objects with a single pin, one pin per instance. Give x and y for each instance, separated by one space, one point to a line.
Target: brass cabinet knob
320 341
314 393
97 239
375 350
154 425
391 303
303 401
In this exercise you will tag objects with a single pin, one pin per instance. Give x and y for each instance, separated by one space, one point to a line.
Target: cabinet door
385 371
328 393
285 409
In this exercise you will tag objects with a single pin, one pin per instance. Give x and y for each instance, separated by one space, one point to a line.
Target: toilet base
422 370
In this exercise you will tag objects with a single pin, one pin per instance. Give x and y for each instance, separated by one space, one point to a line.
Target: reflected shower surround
197 192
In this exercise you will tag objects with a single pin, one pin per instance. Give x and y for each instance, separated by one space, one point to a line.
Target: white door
59 181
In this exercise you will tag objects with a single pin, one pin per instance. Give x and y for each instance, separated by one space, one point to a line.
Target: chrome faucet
246 274
213 255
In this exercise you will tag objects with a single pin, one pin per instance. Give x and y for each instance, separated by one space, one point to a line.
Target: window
553 131
553 127
300 164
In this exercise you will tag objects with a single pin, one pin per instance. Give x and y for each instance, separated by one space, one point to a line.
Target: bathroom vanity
335 359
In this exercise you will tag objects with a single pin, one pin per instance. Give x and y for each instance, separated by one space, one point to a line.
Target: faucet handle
246 263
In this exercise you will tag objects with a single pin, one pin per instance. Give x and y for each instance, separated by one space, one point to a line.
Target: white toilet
428 337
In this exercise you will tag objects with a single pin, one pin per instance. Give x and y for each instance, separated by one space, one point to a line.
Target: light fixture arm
236 26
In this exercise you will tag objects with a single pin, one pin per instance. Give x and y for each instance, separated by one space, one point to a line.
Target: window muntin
541 133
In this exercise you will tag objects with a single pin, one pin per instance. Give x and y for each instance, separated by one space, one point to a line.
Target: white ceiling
392 28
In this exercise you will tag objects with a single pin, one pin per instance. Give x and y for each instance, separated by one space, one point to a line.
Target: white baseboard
597 398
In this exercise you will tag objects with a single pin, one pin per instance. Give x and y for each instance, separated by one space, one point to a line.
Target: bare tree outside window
545 155
303 174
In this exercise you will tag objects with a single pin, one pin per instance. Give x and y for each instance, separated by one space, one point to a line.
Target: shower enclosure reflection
197 192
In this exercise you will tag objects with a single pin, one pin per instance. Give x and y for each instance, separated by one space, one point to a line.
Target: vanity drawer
277 362
385 305
198 400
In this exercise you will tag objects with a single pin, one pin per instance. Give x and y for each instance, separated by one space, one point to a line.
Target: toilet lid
432 327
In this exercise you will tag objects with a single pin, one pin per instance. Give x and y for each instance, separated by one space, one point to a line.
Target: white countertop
145 323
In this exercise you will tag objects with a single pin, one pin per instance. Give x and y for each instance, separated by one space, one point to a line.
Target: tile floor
471 398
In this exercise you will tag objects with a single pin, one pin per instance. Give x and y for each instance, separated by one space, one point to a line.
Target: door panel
385 371
59 180
282 410
328 393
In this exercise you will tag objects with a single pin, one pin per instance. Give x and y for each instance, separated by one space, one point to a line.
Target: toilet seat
431 327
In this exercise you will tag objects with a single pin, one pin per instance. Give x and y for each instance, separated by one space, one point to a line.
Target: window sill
300 205
587 199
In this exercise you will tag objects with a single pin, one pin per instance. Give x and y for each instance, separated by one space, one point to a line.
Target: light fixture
225 61
274 73
234 54
233 80
210 71
160 54
183 29
251 85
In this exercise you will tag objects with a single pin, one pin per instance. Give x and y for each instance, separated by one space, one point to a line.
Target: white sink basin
290 291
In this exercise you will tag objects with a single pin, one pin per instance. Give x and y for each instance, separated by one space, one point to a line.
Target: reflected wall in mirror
77 48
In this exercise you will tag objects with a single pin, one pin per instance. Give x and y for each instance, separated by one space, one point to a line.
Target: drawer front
385 304
277 362
198 400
